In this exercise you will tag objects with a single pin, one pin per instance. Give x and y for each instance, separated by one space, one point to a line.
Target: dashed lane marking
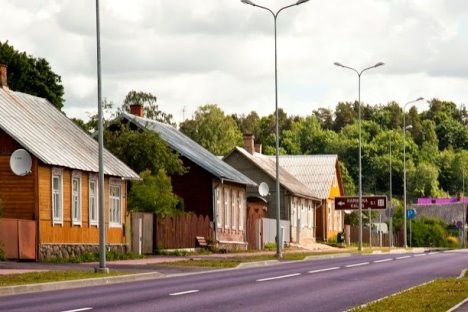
277 277
324 270
357 264
184 292
383 260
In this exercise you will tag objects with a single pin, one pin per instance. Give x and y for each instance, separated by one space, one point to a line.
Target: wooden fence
180 231
376 239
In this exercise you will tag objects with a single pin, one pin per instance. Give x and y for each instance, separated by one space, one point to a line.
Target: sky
191 53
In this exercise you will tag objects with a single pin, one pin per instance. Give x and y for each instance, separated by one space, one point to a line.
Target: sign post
368 202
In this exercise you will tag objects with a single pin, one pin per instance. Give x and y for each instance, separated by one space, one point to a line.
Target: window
115 202
329 217
57 196
234 210
293 214
227 209
76 198
93 200
303 217
309 216
241 210
219 211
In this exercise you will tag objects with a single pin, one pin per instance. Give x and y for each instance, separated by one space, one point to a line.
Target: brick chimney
249 145
3 76
258 148
137 110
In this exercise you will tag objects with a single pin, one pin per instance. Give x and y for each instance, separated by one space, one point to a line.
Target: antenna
20 162
263 189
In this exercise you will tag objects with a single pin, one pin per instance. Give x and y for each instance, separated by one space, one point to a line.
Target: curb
98 281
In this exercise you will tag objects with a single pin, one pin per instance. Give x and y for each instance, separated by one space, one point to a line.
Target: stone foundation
66 251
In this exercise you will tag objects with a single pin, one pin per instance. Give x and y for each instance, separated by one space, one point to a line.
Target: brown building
49 182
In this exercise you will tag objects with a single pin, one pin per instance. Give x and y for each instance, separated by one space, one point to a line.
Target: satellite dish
20 162
263 189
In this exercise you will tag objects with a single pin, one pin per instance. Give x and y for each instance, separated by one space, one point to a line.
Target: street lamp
275 15
390 211
359 73
405 239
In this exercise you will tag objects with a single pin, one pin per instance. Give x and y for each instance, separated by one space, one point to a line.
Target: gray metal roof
315 171
287 180
188 148
54 139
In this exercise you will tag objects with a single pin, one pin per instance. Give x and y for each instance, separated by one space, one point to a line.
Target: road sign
368 202
410 214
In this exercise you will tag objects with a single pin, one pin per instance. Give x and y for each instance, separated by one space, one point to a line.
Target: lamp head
338 64
248 2
419 99
301 1
379 64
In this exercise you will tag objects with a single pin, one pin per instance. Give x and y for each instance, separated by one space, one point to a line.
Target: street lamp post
405 239
359 73
275 16
390 206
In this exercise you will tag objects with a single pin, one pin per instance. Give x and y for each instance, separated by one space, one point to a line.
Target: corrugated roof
287 180
54 139
188 148
315 171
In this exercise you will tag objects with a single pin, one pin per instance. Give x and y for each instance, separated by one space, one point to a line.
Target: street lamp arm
370 67
269 10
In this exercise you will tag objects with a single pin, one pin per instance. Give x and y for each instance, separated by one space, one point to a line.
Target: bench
202 241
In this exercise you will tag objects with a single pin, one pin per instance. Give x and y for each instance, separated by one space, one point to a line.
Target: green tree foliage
154 194
428 232
31 75
141 149
213 130
148 100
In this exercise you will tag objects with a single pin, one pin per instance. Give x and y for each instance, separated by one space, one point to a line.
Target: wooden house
49 181
210 187
322 175
297 203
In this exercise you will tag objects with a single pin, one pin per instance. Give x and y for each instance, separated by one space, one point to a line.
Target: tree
345 114
213 130
31 75
141 149
148 101
154 194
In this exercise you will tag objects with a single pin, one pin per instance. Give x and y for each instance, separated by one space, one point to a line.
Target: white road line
357 264
324 270
78 310
419 255
277 277
184 292
402 257
383 260
433 253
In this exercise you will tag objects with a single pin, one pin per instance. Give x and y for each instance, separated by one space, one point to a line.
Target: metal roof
287 180
188 148
315 171
54 139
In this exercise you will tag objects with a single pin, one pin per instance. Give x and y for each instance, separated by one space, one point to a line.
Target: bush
428 232
270 246
452 242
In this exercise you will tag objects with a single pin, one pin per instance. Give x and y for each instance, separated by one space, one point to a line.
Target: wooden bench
202 241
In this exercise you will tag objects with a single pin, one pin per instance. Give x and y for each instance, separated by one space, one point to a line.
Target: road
334 284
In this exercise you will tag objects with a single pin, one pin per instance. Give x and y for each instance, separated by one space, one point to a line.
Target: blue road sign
410 214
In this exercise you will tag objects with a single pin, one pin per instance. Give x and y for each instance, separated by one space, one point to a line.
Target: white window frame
93 200
219 211
115 203
241 210
57 196
227 208
303 216
309 216
76 198
294 215
234 201
329 217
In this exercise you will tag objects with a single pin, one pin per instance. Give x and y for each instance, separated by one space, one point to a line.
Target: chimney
3 76
258 148
249 143
137 110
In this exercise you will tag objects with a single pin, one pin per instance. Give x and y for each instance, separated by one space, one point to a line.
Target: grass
49 276
439 295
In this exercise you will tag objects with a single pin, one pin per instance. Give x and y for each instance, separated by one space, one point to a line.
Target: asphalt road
335 284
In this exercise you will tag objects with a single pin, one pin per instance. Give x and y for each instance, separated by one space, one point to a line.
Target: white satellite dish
20 162
263 189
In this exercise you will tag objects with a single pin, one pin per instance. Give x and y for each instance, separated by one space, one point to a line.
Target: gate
18 239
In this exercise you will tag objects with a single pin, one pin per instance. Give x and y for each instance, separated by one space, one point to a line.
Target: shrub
452 242
270 246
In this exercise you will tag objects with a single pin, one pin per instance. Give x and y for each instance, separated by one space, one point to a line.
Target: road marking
278 277
357 264
419 255
403 257
383 260
78 310
184 292
324 270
